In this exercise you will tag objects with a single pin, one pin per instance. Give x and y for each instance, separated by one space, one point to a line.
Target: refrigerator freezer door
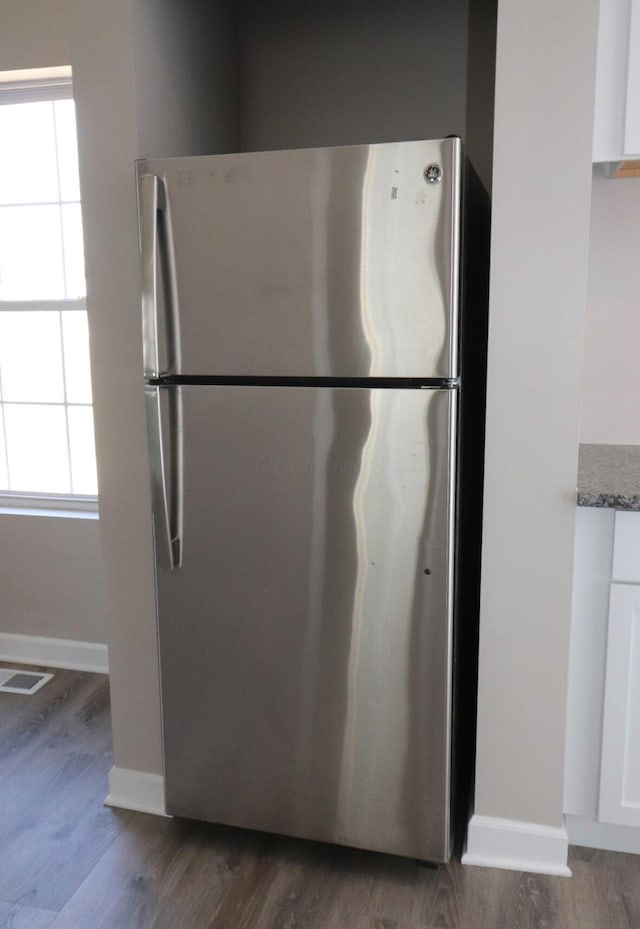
334 262
305 638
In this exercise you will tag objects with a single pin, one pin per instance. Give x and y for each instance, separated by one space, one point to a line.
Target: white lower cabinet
602 764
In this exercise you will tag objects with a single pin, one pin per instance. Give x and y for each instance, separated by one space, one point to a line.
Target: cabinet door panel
632 114
587 659
620 770
626 548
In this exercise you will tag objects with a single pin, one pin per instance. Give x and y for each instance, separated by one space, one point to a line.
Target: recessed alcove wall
249 75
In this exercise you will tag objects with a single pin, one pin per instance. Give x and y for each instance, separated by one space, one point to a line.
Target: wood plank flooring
68 862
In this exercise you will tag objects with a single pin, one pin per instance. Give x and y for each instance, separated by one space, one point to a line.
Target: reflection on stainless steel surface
337 262
306 685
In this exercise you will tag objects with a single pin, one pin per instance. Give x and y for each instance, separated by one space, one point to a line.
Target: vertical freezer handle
166 472
160 333
148 209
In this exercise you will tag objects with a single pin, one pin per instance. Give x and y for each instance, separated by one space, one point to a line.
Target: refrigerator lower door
305 630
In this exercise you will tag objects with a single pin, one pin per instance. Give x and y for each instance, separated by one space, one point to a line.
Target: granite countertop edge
609 476
612 501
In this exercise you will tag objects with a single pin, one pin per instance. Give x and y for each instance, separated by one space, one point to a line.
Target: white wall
50 571
611 376
541 197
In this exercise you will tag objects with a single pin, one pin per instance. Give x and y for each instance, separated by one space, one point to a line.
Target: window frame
41 89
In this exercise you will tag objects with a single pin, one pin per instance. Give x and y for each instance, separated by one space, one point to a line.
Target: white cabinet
632 108
620 765
602 763
616 132
587 660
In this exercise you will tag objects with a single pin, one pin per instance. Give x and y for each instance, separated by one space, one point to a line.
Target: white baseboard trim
592 834
54 653
136 790
516 846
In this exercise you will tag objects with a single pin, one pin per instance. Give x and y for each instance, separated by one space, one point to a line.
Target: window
46 415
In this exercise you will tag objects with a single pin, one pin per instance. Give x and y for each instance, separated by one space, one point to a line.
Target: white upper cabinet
616 134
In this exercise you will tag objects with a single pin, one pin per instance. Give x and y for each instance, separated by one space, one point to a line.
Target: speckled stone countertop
609 475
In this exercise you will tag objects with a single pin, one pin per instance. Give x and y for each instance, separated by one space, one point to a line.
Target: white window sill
52 506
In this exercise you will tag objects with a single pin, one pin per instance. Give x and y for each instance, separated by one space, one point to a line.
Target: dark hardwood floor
68 862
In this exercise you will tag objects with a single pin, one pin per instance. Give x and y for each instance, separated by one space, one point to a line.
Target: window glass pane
83 455
67 149
28 171
31 357
37 445
76 356
30 253
4 481
73 251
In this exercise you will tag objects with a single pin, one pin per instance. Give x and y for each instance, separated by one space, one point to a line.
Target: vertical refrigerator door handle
148 206
165 455
158 266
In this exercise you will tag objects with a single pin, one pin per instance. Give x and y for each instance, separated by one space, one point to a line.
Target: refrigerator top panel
328 262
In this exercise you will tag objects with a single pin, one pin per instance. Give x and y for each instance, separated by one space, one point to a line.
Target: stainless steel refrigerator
300 317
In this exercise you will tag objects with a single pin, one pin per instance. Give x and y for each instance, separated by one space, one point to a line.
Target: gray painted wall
351 72
186 77
481 56
33 34
51 578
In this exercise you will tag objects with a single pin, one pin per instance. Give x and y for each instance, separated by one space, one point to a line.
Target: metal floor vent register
22 682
